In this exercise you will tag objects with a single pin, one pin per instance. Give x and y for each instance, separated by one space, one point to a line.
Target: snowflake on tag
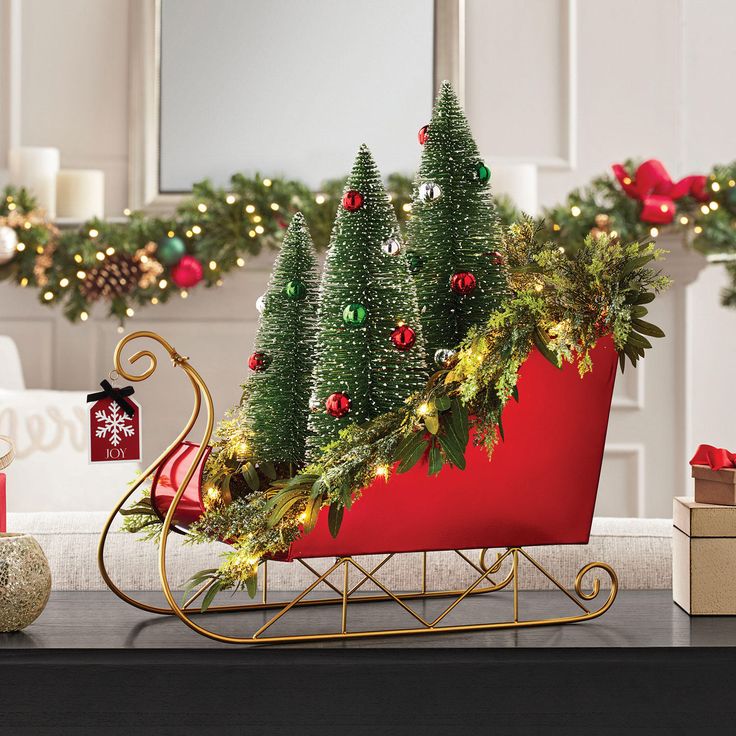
113 424
114 435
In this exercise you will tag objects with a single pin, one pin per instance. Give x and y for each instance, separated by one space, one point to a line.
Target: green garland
560 300
603 207
220 227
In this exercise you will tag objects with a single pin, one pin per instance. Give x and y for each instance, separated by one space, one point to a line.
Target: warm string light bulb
381 471
202 207
93 233
575 211
83 316
423 409
654 232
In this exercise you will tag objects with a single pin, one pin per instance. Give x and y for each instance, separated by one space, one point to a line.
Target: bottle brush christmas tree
453 232
275 405
370 350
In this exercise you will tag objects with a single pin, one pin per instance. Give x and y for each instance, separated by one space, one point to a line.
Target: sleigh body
539 488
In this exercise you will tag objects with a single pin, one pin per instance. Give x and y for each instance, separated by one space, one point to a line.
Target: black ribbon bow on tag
116 394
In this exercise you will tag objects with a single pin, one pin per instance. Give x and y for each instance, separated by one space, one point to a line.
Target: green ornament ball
354 315
295 289
414 262
170 250
483 172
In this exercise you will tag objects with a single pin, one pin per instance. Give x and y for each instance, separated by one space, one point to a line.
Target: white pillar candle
518 182
80 194
35 168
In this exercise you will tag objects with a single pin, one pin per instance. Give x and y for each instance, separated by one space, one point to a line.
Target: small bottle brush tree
370 350
276 400
454 232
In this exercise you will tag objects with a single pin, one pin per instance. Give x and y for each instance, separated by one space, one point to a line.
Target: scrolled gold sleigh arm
200 389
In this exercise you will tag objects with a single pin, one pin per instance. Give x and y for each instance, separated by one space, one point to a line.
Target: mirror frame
144 192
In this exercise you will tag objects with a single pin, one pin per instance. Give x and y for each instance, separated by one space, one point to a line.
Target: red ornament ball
463 283
403 337
423 134
352 200
258 362
337 404
187 272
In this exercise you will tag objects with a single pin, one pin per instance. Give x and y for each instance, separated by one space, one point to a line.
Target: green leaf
334 519
209 596
515 393
453 450
432 423
442 403
408 445
409 461
635 263
639 312
268 469
459 424
500 428
638 340
312 513
644 297
541 342
251 476
251 585
435 459
647 328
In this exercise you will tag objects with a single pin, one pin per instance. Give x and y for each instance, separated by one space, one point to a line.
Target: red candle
2 503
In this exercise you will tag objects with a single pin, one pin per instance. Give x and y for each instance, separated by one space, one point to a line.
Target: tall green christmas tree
276 399
370 349
454 232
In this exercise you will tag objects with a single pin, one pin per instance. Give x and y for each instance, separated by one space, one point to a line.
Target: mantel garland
560 300
133 264
701 208
147 260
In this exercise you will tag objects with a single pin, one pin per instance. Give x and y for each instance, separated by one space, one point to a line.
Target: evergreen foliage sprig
560 301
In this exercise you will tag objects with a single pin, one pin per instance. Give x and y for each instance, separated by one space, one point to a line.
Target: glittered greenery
361 360
561 301
458 231
221 226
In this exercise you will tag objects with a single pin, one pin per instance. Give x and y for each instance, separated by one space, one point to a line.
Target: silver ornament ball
261 303
442 355
429 191
391 247
8 242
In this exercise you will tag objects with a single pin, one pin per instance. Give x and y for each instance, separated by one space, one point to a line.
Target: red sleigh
539 489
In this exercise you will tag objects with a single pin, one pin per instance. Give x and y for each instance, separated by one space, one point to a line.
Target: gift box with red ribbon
714 473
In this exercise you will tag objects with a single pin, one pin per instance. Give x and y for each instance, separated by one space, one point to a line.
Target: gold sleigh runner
488 575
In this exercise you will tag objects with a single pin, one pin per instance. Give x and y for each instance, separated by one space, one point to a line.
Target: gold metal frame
343 593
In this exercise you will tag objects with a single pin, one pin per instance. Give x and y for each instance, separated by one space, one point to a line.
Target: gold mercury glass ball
25 581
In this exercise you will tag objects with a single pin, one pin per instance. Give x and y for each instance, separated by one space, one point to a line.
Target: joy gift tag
115 424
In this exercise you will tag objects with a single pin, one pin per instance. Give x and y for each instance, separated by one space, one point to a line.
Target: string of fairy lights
145 261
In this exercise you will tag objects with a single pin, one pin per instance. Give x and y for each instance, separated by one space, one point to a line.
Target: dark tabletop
93 665
99 620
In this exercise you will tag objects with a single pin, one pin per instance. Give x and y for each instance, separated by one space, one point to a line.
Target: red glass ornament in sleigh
539 489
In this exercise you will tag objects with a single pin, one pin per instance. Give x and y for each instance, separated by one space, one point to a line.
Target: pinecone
116 276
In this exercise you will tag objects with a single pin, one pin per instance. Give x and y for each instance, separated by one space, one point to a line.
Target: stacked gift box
704 537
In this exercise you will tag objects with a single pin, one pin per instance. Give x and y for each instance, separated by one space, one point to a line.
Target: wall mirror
284 88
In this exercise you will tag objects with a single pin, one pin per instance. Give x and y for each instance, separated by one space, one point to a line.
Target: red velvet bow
657 192
714 457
